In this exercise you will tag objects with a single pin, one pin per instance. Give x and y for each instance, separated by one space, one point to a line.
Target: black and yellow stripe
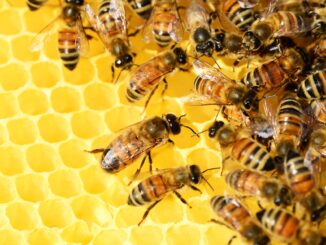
142 7
68 47
35 4
313 86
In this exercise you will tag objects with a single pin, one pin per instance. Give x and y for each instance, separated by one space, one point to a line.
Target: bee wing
197 16
148 32
269 110
117 11
247 3
38 41
82 41
200 100
206 71
176 28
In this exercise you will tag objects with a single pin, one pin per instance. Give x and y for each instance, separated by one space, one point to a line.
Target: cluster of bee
273 128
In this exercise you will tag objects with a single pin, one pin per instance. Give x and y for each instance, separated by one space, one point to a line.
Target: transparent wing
206 71
117 11
248 3
269 110
197 16
38 41
148 32
176 28
201 100
82 41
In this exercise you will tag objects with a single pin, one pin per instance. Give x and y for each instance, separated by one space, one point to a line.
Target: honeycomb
52 191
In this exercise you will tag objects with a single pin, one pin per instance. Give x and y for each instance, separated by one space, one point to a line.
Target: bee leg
132 34
259 205
138 170
150 96
150 161
236 62
147 211
195 188
99 150
165 86
182 69
112 72
171 141
231 240
181 198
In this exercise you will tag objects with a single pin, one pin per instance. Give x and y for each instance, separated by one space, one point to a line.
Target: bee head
75 2
219 41
250 101
236 94
318 138
212 130
253 232
262 241
319 27
251 41
195 174
226 135
181 56
284 197
70 13
201 35
123 61
172 123
205 48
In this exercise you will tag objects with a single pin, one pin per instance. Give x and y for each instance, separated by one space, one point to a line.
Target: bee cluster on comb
270 122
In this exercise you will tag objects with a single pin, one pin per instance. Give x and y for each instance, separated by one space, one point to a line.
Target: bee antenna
197 134
208 183
183 115
185 126
209 169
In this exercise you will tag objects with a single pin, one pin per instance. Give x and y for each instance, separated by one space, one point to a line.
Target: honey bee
164 24
286 227
246 151
236 217
72 39
147 76
256 184
313 86
212 85
110 24
199 27
34 5
273 74
142 7
137 140
289 124
281 23
154 188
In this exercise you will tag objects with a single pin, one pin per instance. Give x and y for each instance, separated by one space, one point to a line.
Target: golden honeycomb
52 191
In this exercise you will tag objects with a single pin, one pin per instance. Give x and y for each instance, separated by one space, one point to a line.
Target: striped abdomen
68 47
252 155
242 18
289 23
230 211
142 7
152 189
313 87
35 4
122 151
162 27
211 89
245 181
279 222
113 26
299 176
268 75
290 117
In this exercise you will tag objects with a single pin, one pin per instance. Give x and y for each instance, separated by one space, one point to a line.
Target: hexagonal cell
87 124
83 73
44 236
4 51
35 21
104 69
98 214
65 183
8 192
117 194
146 235
3 134
220 234
50 49
21 51
22 131
95 180
79 232
13 22
163 105
55 213
73 154
121 117
11 237
205 159
176 235
197 213
12 160
99 96
204 114
53 128
45 74
115 237
33 102
71 102
180 83
42 158
127 216
22 216
166 156
170 209
9 104
186 138
32 187
13 76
